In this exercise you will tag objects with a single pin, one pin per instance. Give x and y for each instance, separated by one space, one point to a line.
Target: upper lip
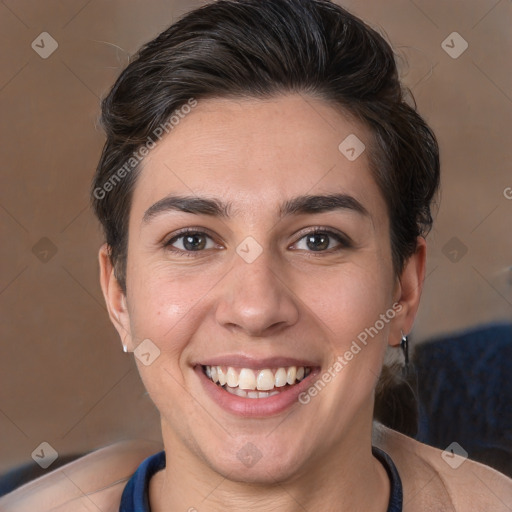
254 363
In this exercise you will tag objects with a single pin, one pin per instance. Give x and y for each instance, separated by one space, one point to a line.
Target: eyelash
344 241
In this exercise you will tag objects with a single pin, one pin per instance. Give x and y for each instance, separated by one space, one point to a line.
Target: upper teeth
262 380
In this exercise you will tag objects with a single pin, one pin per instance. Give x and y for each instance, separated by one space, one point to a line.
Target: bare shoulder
433 481
93 482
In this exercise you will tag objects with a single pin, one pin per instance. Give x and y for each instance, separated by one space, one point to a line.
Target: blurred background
64 378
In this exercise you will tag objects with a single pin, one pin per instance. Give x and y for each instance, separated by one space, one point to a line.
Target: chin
257 459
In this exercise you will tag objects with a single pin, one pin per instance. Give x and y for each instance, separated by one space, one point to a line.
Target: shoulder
93 482
433 481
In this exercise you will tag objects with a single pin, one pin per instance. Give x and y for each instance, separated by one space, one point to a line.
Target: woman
265 191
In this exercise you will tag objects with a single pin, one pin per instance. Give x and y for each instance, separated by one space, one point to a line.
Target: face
285 265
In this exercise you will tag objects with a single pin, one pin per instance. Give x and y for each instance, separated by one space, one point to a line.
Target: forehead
255 153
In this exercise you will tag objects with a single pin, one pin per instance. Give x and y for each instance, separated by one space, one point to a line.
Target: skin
291 301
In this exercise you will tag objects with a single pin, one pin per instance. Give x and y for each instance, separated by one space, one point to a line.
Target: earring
126 341
404 344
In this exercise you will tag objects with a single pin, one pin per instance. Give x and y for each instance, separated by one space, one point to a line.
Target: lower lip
254 407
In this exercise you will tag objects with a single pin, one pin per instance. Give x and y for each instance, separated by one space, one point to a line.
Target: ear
408 292
114 298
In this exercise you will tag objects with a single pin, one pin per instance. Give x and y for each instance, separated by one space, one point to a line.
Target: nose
255 299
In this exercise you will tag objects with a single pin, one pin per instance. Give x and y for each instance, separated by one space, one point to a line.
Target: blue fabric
465 390
135 496
396 493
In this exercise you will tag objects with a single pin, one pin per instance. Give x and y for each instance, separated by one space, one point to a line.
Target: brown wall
64 378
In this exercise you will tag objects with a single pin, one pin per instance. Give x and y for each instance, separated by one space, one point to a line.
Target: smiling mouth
249 383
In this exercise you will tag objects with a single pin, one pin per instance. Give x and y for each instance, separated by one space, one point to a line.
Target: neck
346 478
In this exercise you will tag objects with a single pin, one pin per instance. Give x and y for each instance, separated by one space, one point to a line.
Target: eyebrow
214 207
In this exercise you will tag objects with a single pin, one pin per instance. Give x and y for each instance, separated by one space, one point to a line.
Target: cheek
349 307
348 301
166 307
353 307
165 304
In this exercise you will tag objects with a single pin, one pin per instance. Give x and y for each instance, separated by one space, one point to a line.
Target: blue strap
135 496
396 492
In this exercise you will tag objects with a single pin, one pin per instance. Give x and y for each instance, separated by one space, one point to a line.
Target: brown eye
317 241
194 242
322 241
191 241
